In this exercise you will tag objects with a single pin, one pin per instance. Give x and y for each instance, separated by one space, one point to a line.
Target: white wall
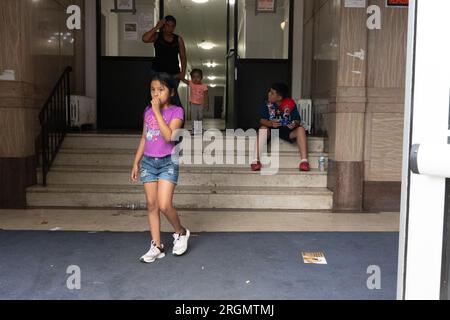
297 63
112 28
91 48
116 45
263 37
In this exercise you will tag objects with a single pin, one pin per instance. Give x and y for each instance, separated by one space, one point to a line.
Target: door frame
237 58
423 203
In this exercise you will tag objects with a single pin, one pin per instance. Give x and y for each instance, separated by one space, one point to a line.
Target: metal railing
55 122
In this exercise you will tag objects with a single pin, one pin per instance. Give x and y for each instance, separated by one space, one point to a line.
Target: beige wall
320 55
359 102
29 45
384 116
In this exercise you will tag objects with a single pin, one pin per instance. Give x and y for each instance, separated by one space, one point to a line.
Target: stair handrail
55 121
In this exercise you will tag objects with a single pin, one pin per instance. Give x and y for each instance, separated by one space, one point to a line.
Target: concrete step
189 176
131 141
121 157
100 196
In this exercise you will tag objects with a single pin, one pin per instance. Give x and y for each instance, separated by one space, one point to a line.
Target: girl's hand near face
156 105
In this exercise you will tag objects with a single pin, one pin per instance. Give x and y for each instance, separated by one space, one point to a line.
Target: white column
91 49
297 62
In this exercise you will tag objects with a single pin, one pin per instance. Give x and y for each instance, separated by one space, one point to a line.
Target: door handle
430 159
231 53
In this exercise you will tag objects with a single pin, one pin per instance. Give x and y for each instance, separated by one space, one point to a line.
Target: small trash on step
55 229
314 258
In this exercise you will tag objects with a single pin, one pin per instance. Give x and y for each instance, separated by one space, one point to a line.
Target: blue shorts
155 169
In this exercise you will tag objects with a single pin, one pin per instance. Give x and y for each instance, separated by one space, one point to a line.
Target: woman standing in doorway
169 51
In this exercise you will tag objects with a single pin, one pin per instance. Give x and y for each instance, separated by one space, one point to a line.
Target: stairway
93 171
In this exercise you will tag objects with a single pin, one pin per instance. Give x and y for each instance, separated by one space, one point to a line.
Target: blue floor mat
218 266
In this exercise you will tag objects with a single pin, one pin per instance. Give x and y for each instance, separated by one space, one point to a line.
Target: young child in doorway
157 169
280 112
198 99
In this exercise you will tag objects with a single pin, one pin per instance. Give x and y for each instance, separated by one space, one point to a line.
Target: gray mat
229 266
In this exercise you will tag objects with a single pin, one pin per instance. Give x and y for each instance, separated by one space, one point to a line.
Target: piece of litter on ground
247 282
314 258
203 268
55 229
44 222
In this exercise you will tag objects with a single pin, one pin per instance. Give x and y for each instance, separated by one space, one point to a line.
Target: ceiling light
200 1
206 45
283 25
213 85
212 77
211 64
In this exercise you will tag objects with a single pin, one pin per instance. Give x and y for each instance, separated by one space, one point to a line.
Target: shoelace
176 237
154 248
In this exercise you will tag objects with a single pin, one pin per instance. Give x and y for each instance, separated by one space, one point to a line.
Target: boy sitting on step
280 112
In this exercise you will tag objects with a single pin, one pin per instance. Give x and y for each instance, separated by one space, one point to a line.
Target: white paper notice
130 31
355 3
145 22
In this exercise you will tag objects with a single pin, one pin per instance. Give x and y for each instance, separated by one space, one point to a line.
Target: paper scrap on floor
314 257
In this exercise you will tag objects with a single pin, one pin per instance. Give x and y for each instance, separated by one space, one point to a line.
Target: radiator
82 111
306 112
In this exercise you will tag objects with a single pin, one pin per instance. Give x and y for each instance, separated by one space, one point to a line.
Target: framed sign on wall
397 3
128 6
264 6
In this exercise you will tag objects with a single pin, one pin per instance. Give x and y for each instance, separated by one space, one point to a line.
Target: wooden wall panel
387 49
353 38
10 36
17 133
349 137
386 96
386 145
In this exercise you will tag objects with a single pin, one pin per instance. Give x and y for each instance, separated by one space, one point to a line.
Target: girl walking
156 168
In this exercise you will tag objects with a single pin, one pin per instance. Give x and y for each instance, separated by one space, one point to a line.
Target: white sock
304 160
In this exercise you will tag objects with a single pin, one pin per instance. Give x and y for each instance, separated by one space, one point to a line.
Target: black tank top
166 54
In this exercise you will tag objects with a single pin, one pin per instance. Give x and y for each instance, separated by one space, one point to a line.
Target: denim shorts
155 169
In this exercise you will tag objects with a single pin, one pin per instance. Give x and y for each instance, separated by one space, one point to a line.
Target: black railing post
68 99
44 148
55 121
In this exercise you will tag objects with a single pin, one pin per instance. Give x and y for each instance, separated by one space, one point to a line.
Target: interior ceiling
197 22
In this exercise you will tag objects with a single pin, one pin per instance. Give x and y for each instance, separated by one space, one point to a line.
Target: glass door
260 39
231 64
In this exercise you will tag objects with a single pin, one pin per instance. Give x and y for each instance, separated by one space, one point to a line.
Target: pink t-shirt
198 92
155 145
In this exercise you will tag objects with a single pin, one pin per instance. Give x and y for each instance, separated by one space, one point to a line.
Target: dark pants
176 98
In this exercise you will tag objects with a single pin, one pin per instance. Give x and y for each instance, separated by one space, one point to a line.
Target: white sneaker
180 243
153 254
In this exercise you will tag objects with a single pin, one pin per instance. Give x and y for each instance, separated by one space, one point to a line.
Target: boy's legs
261 144
299 135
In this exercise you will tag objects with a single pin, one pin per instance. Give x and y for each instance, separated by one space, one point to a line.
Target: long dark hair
168 81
